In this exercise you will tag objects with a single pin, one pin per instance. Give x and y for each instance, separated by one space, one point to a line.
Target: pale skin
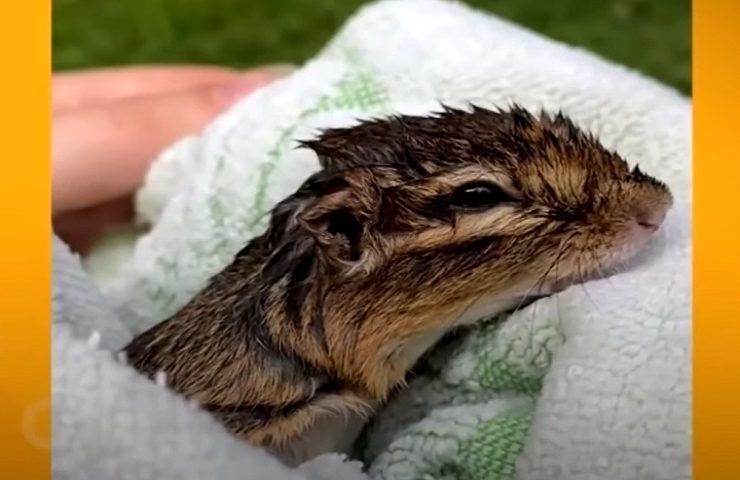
109 124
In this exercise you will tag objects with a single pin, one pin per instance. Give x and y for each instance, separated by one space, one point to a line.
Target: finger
73 90
101 153
79 229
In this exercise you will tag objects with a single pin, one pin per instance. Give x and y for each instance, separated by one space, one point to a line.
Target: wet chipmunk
413 226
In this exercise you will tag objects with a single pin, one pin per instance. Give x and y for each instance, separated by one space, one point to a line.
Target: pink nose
651 217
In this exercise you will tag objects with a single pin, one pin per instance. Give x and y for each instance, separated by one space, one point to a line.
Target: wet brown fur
368 255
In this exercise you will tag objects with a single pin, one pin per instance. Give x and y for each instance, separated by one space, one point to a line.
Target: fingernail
250 81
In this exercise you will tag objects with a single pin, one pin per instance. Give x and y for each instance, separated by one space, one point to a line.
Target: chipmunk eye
478 195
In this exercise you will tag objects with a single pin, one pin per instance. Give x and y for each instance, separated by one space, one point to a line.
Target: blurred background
653 36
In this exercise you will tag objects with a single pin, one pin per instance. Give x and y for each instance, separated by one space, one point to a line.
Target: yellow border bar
25 52
716 75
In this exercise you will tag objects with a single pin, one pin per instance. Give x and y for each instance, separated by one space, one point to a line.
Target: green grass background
653 36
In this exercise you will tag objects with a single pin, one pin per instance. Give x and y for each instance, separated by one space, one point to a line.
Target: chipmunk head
414 220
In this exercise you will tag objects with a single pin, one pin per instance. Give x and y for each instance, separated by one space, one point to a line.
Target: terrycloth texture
111 423
592 383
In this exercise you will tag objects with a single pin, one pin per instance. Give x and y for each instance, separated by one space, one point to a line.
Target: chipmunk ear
338 215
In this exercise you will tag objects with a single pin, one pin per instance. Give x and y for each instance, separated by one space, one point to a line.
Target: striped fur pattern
412 223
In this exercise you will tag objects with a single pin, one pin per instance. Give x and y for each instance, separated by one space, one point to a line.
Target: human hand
108 125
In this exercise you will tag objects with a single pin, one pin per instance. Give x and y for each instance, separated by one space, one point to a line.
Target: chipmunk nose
651 217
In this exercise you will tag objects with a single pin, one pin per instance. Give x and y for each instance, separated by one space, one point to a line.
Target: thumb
102 152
